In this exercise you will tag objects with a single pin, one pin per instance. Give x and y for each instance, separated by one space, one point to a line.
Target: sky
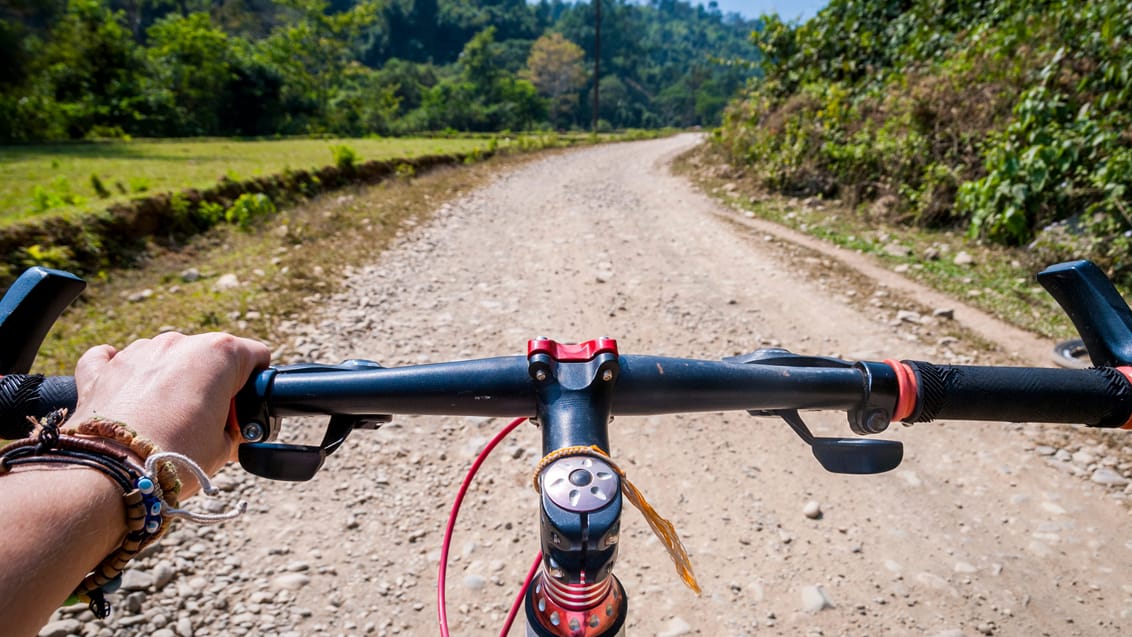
786 9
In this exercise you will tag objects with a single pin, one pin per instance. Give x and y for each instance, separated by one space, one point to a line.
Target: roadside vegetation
254 263
1002 128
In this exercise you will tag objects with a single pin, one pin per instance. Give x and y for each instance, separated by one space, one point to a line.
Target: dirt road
981 531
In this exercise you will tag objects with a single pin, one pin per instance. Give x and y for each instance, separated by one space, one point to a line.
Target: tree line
74 69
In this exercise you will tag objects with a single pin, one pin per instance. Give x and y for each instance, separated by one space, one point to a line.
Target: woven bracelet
141 446
149 506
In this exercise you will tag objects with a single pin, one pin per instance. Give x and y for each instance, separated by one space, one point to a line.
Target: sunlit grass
64 173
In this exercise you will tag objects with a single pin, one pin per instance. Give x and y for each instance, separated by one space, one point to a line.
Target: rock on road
975 534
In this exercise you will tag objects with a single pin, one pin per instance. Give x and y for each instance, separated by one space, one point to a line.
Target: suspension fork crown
575 593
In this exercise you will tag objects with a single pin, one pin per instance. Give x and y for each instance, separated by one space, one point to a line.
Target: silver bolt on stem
607 375
540 375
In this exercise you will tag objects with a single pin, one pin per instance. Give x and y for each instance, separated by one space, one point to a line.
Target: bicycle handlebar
502 387
646 385
23 396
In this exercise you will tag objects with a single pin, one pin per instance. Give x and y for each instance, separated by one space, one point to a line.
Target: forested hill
1009 118
158 68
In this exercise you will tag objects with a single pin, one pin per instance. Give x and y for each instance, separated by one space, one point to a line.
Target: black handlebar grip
1098 397
24 395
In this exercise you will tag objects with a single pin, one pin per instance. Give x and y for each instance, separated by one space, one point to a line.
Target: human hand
173 389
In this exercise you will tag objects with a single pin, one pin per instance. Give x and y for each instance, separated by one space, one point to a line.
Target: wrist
69 519
137 446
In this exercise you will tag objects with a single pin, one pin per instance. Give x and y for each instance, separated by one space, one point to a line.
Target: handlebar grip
57 392
1098 397
23 395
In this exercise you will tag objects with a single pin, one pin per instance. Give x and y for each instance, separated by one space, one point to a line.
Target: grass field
55 178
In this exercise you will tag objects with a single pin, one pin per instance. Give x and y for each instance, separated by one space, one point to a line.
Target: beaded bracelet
141 446
149 503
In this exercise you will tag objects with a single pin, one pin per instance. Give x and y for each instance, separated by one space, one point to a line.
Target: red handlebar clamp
571 352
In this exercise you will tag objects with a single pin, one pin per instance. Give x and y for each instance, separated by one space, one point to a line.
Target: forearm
57 524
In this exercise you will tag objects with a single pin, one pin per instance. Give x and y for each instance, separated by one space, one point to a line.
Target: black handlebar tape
24 395
1098 397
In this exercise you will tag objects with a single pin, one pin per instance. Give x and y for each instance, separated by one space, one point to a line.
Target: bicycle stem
575 593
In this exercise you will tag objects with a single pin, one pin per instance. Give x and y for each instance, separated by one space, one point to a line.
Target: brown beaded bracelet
141 495
141 446
148 492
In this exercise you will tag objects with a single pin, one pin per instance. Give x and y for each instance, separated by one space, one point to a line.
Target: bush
57 195
210 213
57 257
249 209
345 158
1005 116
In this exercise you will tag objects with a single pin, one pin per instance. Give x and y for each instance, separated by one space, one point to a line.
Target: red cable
441 602
519 598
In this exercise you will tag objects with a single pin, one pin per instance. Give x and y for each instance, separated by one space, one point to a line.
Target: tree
520 106
555 68
314 54
479 60
92 70
191 67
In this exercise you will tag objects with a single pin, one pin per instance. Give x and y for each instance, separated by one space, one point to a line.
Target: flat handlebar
647 385
502 387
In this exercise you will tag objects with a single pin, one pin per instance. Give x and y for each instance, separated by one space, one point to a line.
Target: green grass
62 173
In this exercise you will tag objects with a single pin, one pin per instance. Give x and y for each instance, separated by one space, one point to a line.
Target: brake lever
263 457
836 455
855 456
299 463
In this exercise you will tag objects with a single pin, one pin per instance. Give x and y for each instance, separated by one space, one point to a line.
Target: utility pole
597 59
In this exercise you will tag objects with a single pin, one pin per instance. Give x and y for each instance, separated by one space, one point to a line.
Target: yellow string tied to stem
662 528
